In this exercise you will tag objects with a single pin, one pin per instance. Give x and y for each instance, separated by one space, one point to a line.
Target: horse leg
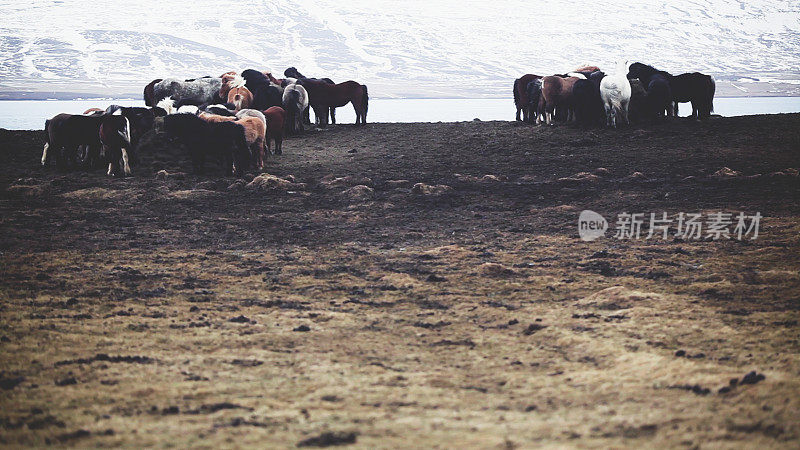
624 112
279 145
333 115
519 110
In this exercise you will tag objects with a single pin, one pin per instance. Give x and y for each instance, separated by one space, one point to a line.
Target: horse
588 101
276 118
615 90
323 96
167 105
226 78
656 83
202 90
220 109
264 93
587 68
238 95
696 88
521 100
255 129
295 102
637 108
557 94
292 72
115 137
66 132
140 120
149 92
225 140
534 92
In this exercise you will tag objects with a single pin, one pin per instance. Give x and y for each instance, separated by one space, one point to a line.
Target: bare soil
335 305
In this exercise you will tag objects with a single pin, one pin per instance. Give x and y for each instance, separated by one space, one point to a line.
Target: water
31 114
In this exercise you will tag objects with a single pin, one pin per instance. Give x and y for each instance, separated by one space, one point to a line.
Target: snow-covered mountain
400 49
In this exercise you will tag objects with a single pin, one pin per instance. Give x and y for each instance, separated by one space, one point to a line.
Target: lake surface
31 114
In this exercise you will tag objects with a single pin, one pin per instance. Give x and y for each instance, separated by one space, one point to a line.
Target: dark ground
171 308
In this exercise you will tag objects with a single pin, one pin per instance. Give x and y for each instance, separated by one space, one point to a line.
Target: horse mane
167 104
238 82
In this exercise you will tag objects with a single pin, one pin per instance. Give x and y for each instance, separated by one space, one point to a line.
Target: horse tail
46 142
712 91
516 92
125 134
365 100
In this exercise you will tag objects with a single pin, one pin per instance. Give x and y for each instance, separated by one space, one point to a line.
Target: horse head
641 71
292 72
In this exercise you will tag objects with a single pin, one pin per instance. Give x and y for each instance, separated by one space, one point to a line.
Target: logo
591 225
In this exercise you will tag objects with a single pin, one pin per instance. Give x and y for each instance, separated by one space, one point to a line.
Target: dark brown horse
521 99
696 88
557 94
323 96
115 136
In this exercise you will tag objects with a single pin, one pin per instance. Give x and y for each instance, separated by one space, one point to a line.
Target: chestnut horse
323 96
521 99
276 119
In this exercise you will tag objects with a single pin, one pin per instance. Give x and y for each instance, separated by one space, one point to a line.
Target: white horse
295 102
615 91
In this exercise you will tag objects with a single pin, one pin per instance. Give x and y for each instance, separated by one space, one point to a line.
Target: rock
636 176
496 270
493 178
358 193
533 328
430 191
302 328
329 438
752 378
726 172
267 182
580 177
332 182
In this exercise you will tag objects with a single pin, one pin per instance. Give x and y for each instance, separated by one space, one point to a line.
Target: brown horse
589 69
149 93
227 79
323 96
276 118
521 99
557 93
241 97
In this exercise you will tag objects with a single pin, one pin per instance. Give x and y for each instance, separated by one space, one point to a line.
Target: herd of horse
232 118
235 117
589 96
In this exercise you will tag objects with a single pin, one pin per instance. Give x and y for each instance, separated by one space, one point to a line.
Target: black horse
265 95
225 141
292 72
534 90
696 88
589 108
657 85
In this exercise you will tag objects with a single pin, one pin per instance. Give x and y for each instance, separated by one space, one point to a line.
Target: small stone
302 328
